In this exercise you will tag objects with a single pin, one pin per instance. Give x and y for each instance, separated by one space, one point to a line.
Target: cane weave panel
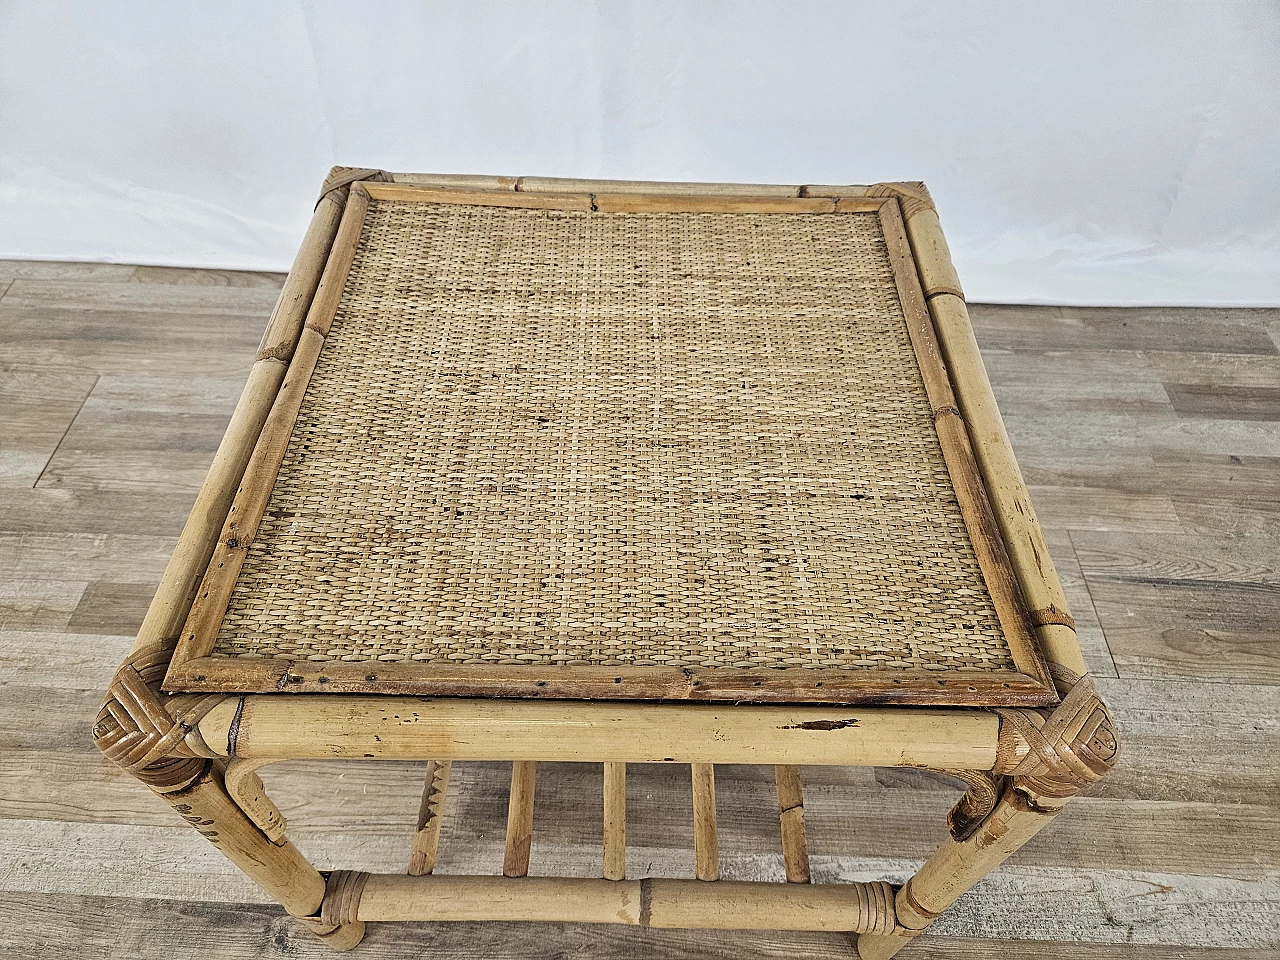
558 437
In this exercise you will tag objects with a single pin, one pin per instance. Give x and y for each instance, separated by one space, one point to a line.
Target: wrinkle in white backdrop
1081 153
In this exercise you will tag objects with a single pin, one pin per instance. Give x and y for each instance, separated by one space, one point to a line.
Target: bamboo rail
724 905
299 726
168 609
245 512
1019 528
625 201
966 476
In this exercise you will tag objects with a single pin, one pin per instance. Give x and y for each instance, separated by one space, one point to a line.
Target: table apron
302 726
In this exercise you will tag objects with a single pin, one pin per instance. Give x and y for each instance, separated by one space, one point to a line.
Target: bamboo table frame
1050 737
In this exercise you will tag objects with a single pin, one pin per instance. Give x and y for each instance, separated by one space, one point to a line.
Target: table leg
155 739
279 868
956 866
1046 759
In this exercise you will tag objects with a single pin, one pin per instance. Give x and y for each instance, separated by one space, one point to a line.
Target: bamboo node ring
1047 616
282 352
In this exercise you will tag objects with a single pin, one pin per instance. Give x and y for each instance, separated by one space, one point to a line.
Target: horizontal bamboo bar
416 728
620 202
484 198
460 181
668 187
841 191
658 203
724 905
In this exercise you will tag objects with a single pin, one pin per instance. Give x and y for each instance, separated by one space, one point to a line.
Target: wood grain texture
1041 328
111 607
1172 856
1187 605
143 432
11 270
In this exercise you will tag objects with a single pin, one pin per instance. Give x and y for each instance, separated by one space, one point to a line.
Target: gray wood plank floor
1150 439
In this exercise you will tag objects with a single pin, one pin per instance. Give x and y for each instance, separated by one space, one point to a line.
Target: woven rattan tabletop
564 446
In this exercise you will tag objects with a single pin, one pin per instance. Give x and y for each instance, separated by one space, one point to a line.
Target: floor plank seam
1084 579
74 417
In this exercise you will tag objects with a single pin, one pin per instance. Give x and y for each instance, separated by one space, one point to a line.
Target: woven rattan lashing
562 438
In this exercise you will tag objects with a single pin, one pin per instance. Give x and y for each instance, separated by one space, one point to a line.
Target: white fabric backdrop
1088 153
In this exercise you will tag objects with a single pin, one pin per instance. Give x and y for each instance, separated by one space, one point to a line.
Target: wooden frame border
622 202
593 682
1029 684
966 479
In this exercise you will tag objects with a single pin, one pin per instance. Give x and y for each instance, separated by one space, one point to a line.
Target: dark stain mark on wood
822 725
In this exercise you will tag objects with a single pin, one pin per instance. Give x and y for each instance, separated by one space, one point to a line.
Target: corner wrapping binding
342 897
913 196
145 734
1062 751
341 178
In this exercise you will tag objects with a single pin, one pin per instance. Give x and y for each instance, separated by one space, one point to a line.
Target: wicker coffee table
546 470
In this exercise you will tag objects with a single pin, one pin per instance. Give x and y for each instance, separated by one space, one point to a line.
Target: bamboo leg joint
341 178
1057 754
148 734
